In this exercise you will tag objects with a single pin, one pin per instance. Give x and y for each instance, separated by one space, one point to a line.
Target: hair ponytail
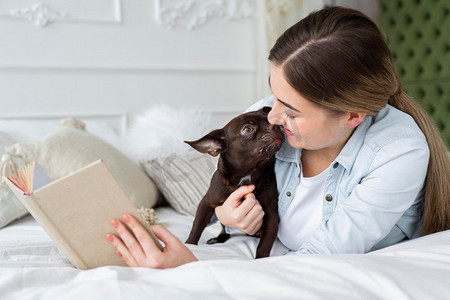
436 207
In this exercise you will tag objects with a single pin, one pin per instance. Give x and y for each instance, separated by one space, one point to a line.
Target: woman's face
306 125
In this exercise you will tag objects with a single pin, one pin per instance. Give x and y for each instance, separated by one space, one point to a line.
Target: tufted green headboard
418 34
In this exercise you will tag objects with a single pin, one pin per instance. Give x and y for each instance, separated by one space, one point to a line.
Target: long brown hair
338 58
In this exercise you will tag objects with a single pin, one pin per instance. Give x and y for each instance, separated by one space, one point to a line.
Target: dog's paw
222 238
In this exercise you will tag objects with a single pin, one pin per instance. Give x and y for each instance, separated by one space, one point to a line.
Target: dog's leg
269 231
202 218
221 238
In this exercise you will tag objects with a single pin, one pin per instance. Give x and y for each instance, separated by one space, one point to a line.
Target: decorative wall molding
42 15
168 16
198 13
39 14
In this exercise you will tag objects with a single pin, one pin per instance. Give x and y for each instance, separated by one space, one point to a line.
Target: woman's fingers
128 245
255 218
254 215
236 196
138 248
164 235
244 215
122 250
144 239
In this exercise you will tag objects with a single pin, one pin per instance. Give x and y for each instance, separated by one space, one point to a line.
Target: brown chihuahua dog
246 145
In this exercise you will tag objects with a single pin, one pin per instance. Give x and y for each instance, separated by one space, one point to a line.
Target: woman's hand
246 215
138 249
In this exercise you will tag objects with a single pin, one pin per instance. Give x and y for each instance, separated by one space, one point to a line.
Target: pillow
160 131
183 180
156 137
10 207
70 148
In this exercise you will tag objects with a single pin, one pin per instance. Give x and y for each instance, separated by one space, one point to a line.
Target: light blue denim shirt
374 191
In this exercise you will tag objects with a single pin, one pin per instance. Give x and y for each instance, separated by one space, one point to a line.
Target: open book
76 210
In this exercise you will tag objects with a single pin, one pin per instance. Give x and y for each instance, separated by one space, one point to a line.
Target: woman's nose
275 116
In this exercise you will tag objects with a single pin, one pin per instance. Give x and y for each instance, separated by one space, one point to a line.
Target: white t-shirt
304 214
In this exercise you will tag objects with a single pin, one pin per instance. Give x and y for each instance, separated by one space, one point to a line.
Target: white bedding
31 267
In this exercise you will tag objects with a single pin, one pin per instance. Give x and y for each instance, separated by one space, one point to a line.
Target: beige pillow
70 148
182 179
10 207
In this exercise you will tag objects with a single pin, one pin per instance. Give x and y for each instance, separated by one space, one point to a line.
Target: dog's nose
271 127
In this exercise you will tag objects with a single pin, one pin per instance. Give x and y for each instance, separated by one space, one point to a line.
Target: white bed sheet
31 267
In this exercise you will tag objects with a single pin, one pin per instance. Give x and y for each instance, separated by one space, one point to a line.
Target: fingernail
126 218
115 223
110 237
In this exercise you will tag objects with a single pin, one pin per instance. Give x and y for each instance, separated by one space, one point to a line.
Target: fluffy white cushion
160 131
156 138
70 148
10 207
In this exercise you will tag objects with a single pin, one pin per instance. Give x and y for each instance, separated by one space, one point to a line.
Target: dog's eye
247 129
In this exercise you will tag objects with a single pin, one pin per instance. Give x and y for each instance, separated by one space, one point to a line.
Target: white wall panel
111 55
223 93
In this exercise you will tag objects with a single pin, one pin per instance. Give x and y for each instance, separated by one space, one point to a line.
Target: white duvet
31 267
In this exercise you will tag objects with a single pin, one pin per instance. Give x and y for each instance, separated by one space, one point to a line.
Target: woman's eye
288 116
247 129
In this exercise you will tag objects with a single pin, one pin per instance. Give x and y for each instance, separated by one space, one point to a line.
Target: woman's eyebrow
288 105
284 103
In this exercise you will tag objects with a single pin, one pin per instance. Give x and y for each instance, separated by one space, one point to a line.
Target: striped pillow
182 179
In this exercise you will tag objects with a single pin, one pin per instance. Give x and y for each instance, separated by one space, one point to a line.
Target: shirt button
288 194
328 198
335 165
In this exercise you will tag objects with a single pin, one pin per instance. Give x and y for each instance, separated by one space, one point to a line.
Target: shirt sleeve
267 101
392 182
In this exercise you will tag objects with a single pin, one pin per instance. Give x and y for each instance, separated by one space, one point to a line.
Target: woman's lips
288 132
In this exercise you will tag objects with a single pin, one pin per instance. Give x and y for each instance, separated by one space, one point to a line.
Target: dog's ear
266 109
213 143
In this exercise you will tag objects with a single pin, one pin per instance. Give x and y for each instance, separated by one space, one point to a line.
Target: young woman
363 167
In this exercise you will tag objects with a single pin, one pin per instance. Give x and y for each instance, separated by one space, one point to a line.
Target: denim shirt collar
288 153
348 154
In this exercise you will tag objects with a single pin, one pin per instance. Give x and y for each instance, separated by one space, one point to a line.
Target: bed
107 65
32 267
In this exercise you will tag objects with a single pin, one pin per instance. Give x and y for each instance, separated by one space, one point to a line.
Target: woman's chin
295 141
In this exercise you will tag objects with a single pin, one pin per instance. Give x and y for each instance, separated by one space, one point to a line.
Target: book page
40 178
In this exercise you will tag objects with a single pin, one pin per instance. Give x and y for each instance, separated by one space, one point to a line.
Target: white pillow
10 207
69 147
161 131
156 139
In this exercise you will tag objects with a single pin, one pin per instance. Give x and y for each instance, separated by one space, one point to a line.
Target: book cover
76 211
